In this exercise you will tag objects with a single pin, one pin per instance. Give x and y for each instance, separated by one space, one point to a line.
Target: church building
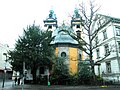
65 45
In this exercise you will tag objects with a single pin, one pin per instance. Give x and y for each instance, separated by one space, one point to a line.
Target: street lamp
48 77
5 70
23 67
23 75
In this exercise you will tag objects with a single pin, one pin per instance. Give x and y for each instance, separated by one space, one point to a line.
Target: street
42 87
10 86
39 87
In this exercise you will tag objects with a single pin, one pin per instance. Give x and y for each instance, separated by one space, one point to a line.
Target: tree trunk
91 56
34 75
93 71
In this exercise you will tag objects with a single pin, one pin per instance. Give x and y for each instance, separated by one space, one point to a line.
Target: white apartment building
108 53
4 64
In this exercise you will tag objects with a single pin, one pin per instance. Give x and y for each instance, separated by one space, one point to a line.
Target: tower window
63 54
78 26
45 25
50 27
78 33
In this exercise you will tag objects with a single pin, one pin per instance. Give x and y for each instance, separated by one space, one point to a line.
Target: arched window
63 54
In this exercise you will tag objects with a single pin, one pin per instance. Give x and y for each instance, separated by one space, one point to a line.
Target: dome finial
52 14
63 23
76 13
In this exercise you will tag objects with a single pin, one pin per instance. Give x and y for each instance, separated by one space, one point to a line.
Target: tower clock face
50 15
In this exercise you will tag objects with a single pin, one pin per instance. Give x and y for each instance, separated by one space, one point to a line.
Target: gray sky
17 14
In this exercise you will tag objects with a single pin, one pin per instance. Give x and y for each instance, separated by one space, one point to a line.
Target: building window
108 67
98 53
63 54
96 40
45 25
106 50
42 69
78 33
50 27
119 46
80 57
77 26
117 31
104 34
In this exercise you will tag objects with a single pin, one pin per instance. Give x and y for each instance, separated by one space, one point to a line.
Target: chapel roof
61 35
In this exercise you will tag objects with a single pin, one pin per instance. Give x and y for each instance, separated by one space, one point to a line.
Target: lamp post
23 68
48 76
23 75
5 70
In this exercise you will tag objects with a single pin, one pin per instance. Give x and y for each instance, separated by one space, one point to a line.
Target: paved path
42 87
9 85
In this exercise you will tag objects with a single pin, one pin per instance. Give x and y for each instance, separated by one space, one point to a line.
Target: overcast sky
17 14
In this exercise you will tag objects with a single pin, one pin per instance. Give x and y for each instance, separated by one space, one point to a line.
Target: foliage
60 72
33 49
16 61
84 73
61 76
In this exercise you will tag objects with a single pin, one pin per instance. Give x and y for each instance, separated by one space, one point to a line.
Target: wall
73 60
4 49
71 57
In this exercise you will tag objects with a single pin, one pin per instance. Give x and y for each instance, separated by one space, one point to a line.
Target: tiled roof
111 18
62 37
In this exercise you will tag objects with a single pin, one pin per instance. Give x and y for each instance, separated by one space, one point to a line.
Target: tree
84 73
89 19
33 49
60 72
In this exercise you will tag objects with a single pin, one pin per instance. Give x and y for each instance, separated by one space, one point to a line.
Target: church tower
51 21
76 25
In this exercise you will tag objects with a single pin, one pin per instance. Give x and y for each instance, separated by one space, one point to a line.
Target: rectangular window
42 69
117 31
104 34
108 67
50 27
96 40
119 46
80 57
45 25
106 50
78 33
78 26
98 53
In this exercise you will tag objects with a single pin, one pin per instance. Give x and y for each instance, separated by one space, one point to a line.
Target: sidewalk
58 87
7 83
42 87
